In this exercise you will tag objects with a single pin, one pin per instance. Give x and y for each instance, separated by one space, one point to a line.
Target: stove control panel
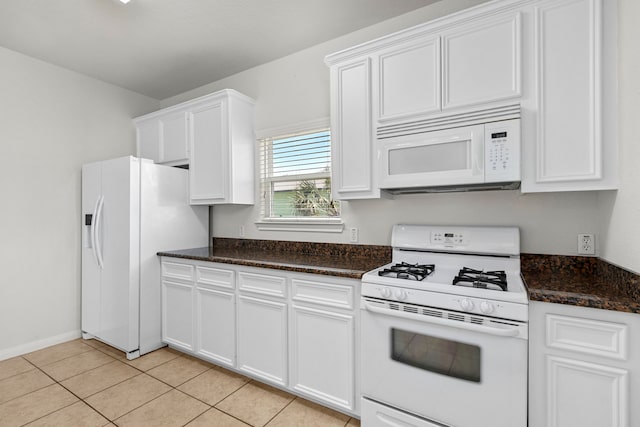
449 238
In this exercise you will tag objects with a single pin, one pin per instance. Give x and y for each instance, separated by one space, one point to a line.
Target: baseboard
37 345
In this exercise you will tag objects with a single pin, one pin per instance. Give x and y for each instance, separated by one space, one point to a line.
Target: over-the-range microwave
477 157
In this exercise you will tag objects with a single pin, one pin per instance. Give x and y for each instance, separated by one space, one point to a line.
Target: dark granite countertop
340 260
581 281
572 280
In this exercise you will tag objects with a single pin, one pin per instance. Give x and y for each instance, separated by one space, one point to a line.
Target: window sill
322 225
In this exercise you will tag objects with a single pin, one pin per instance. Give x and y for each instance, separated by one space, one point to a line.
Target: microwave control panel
502 151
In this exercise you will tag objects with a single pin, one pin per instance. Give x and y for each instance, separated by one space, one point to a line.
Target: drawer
323 293
176 270
215 277
593 337
262 284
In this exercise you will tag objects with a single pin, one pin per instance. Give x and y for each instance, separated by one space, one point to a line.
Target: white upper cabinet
353 165
407 80
554 59
163 138
214 135
481 61
574 144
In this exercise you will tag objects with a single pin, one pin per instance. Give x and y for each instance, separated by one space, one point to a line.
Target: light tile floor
87 383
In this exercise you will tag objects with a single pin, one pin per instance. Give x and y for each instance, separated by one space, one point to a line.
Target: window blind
296 176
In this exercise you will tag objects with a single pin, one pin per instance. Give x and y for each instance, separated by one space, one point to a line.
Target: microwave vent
449 121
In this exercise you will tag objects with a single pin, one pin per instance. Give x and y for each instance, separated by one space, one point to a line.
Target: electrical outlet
241 231
586 244
354 235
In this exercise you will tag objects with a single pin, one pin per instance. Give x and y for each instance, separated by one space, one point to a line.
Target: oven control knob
386 292
486 307
401 295
466 304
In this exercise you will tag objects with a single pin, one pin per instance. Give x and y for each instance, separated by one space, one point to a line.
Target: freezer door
91 277
111 267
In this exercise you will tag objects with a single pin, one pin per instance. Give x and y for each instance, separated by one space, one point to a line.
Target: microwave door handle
506 332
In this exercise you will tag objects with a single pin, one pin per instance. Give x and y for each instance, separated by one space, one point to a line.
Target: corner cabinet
296 331
212 135
584 366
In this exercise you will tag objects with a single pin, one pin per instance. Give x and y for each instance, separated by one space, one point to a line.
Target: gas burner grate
492 280
404 270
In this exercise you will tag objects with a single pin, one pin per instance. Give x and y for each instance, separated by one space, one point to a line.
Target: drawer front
593 337
322 293
262 284
215 277
177 271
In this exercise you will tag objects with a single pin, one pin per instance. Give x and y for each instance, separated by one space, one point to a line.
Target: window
296 178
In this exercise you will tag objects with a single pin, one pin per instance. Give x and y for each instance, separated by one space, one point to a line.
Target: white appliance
444 336
482 156
131 209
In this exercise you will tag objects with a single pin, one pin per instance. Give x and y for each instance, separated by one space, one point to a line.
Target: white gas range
444 330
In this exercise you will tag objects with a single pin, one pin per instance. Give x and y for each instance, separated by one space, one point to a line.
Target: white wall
620 211
52 121
296 89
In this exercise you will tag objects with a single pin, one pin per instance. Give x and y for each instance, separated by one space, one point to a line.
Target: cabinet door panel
209 153
409 80
481 62
177 314
262 339
174 138
585 394
323 364
148 140
568 94
216 325
351 132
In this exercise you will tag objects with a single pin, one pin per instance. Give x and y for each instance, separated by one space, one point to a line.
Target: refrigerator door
91 276
112 301
167 222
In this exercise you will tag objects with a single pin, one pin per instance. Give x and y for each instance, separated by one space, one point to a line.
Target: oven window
442 356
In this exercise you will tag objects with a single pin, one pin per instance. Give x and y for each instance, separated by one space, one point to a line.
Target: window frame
304 224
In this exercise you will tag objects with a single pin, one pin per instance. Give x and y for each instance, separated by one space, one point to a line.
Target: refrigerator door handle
92 231
97 244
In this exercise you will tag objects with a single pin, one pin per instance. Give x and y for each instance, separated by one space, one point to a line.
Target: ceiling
161 48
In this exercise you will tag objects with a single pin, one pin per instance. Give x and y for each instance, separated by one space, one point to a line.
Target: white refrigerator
131 209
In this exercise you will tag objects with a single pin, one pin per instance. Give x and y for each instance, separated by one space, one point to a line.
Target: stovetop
487 283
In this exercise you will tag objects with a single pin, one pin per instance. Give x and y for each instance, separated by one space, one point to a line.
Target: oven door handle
502 332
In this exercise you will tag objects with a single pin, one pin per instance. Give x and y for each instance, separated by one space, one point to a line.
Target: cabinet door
569 151
408 78
209 138
352 154
323 355
262 338
148 140
216 325
177 314
481 62
173 131
585 394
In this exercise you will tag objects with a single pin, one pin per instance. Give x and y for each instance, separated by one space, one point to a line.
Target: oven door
440 158
446 371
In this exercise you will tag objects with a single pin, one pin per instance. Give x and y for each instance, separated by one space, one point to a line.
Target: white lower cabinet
216 326
323 355
296 331
262 338
177 314
584 367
